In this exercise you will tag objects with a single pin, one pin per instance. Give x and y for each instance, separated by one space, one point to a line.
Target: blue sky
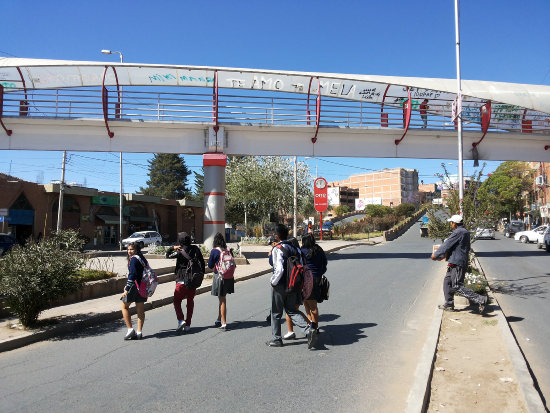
502 40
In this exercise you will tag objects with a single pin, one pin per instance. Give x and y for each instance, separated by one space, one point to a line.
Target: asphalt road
372 331
519 276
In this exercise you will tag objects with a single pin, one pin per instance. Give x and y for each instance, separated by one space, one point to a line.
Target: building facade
342 195
389 187
31 211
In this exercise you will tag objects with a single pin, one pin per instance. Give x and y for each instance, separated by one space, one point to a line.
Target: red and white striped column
214 196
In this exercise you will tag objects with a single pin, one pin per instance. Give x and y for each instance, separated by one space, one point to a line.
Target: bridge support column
214 196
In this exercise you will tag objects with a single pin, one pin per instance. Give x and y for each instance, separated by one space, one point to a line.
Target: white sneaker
290 335
186 328
181 325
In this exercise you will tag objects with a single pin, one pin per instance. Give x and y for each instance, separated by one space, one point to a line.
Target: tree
167 176
378 211
404 210
198 193
33 276
476 212
259 185
502 191
341 210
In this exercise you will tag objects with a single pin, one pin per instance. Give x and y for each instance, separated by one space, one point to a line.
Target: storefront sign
106 200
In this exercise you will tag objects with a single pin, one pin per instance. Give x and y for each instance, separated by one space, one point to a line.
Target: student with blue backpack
131 294
222 262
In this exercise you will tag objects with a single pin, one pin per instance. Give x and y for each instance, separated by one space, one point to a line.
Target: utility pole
459 110
295 196
61 190
121 206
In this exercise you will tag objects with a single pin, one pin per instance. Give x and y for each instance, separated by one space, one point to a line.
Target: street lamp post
104 51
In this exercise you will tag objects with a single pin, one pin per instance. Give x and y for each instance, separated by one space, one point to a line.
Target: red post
321 221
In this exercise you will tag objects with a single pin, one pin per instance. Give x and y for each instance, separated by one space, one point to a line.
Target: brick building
32 212
342 195
389 187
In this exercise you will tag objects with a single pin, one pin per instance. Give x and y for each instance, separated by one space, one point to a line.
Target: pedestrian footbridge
127 107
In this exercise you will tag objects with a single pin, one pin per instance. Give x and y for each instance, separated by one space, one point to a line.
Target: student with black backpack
189 272
286 283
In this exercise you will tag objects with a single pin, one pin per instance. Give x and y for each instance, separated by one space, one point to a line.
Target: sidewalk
59 320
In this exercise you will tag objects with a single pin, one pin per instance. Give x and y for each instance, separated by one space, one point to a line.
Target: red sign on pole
320 194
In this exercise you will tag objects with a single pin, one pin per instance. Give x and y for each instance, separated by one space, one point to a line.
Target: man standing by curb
457 248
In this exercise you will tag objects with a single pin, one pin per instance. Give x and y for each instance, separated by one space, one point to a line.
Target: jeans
280 301
454 283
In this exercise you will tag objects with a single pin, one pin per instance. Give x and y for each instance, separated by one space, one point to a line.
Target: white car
144 238
534 235
487 233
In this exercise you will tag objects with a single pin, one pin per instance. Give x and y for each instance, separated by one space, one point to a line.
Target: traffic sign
320 194
4 212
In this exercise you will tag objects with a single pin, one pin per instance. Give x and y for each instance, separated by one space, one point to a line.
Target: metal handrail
250 107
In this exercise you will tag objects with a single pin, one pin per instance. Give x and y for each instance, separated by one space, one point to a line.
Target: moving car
487 233
534 235
144 238
6 243
513 227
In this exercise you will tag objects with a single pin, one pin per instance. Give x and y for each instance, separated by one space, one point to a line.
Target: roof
51 74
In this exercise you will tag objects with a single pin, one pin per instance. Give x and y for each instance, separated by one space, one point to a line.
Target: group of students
309 254
184 252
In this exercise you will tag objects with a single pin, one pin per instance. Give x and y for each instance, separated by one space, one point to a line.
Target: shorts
133 296
221 287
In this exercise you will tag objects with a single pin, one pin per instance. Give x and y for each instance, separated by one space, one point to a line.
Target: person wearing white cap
456 249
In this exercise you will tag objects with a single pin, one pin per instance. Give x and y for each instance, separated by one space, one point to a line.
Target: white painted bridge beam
194 138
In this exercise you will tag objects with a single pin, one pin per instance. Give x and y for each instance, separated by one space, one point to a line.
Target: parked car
534 235
486 233
6 243
144 238
513 227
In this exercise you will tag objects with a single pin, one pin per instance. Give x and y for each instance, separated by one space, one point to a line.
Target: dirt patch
472 370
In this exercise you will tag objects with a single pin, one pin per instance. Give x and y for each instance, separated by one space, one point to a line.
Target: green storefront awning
142 219
110 219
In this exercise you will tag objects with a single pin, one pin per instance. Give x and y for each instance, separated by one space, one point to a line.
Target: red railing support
407 110
318 107
105 100
526 125
485 114
8 131
215 97
384 116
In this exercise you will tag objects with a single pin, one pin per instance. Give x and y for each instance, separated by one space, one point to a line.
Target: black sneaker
311 338
139 336
446 307
274 343
217 323
130 335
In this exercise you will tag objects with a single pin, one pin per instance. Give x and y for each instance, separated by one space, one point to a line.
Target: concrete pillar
214 196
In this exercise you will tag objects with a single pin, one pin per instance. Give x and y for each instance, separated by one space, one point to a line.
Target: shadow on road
507 254
378 255
514 319
341 334
87 331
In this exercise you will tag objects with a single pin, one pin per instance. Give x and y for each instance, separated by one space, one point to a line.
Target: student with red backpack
286 283
222 261
189 274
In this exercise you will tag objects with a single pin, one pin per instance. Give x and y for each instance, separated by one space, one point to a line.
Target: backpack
149 280
193 273
226 265
324 286
294 280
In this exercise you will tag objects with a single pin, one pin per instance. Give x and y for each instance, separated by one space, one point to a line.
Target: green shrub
86 275
33 276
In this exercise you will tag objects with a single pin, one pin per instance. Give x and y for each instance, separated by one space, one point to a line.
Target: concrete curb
533 400
417 401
